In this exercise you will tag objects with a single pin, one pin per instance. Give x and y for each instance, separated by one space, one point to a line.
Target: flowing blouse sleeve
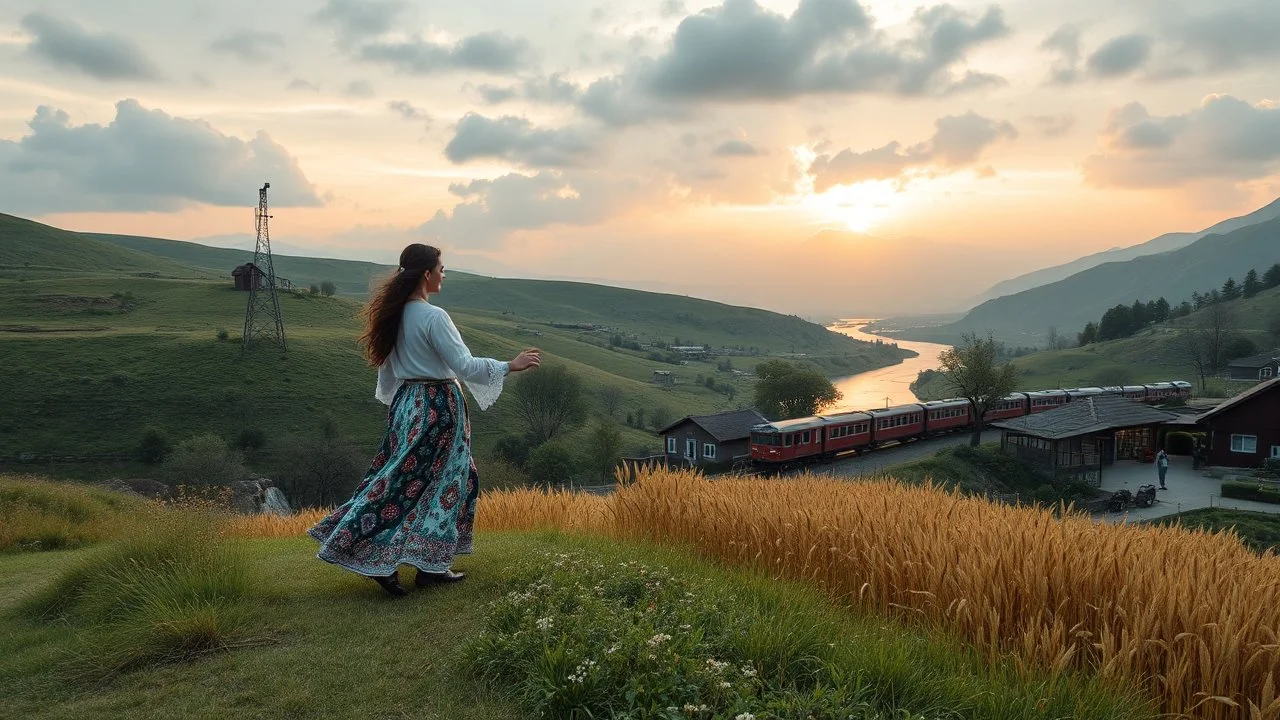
388 383
482 376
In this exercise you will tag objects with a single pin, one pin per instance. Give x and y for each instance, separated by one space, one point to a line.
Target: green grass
986 471
1259 531
325 643
38 515
29 249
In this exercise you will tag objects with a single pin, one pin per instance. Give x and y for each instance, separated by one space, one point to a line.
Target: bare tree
1056 340
611 398
1204 344
973 372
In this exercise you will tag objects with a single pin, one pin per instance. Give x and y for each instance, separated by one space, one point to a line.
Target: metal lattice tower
262 317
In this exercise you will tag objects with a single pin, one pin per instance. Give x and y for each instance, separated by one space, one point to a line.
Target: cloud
491 52
1225 139
957 141
300 85
248 45
356 20
1231 38
64 44
359 89
516 140
1120 56
144 160
493 209
735 148
1065 42
1053 126
494 95
408 110
741 51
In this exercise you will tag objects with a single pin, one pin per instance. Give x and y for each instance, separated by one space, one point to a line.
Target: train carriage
1073 393
788 441
1184 388
943 416
1042 400
847 431
1134 392
896 423
1161 391
1010 406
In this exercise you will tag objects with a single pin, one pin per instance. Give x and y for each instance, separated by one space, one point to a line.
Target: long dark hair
382 314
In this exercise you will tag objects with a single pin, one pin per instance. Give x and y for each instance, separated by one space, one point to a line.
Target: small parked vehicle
1122 500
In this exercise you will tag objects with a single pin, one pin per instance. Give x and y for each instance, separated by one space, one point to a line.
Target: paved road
878 460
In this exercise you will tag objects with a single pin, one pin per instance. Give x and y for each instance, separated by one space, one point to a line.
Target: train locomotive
787 443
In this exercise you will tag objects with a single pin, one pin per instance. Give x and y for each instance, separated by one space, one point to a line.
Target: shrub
204 460
251 439
222 335
499 474
328 288
155 446
1179 443
550 464
1259 492
39 515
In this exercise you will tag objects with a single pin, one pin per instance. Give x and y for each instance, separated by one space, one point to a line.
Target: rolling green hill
1024 318
29 249
93 358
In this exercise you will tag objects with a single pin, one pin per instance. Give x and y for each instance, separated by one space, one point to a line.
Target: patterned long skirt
417 503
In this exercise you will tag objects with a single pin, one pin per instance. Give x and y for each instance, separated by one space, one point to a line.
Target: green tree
1238 347
785 390
155 446
1252 285
1116 323
1162 310
204 460
314 289
550 464
1271 278
974 372
251 439
660 417
1273 326
328 288
1230 290
548 401
610 398
1088 335
603 449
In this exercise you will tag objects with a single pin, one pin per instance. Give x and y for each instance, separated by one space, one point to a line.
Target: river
888 385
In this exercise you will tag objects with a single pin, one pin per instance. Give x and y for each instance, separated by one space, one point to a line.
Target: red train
818 437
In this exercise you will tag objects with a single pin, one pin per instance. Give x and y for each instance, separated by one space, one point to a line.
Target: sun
860 206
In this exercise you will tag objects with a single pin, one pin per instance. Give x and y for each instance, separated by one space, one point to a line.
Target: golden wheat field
1191 617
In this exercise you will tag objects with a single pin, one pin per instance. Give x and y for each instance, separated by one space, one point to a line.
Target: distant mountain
1024 318
1164 243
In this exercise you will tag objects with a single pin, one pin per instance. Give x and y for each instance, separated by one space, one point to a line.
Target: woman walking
417 502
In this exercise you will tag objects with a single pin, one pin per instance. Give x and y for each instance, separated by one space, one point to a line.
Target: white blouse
429 346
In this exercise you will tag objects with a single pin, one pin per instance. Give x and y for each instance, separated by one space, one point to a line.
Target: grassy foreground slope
29 248
183 621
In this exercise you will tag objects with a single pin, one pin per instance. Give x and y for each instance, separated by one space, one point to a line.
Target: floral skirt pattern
417 503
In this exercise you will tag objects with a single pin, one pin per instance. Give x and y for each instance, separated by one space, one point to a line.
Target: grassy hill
1024 318
94 358
1154 354
29 249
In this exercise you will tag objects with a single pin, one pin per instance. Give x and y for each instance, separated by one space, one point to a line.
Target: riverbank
885 386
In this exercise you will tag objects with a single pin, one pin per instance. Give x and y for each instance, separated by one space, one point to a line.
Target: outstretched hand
529 358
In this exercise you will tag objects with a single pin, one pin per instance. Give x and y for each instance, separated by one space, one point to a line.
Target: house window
1244 443
1275 451
1266 372
671 446
709 451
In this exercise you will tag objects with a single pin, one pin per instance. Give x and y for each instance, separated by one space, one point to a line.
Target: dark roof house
1262 366
1076 440
710 441
1245 430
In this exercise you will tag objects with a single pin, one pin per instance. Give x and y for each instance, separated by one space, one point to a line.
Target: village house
246 275
710 442
1245 430
1255 368
1077 440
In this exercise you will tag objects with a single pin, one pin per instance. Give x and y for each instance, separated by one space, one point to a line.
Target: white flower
744 716
748 671
658 639
544 623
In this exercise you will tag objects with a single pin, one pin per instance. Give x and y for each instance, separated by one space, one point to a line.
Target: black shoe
425 579
391 584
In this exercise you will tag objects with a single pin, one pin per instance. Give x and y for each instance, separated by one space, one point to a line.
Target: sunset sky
686 146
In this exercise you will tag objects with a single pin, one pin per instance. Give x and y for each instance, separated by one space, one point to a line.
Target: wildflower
744 716
658 639
748 671
544 623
